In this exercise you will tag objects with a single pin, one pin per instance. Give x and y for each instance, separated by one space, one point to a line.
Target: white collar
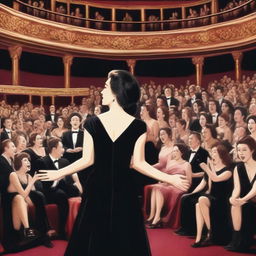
53 159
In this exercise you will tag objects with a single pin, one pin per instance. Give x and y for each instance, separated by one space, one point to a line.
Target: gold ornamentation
66 36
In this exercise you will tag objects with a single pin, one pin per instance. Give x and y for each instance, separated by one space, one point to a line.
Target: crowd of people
76 15
206 134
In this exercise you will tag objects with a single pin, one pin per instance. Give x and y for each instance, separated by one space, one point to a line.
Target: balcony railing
156 25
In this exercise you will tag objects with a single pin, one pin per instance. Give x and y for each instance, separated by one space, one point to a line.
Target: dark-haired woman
60 129
110 220
251 124
243 205
164 198
162 115
223 130
35 151
212 207
29 188
209 135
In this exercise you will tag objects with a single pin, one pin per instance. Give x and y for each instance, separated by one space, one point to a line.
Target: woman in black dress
35 151
29 188
212 207
243 203
110 220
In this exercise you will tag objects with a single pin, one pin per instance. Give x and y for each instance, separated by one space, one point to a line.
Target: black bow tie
55 161
8 131
74 131
193 151
168 98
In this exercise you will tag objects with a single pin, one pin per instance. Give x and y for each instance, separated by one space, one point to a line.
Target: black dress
220 209
110 220
248 210
33 158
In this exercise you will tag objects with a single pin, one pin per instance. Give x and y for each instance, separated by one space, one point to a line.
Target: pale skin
157 199
115 121
204 204
245 154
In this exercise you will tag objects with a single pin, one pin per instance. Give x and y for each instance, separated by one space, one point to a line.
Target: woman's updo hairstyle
126 89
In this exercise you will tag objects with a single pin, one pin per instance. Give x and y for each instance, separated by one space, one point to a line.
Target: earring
113 100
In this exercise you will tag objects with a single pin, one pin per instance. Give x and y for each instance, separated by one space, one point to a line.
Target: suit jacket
173 101
5 170
4 135
67 142
46 163
49 118
200 156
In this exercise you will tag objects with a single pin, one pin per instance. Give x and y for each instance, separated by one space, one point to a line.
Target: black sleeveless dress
248 210
110 220
220 209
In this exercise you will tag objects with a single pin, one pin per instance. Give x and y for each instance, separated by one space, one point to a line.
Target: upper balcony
39 34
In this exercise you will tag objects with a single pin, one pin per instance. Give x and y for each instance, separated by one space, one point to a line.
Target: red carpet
163 243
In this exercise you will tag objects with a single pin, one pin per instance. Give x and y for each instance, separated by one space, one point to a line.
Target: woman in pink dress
163 199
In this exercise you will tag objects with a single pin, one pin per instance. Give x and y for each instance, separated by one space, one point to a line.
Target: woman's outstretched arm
143 167
82 163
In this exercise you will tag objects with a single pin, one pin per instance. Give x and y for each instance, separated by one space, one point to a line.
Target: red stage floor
163 243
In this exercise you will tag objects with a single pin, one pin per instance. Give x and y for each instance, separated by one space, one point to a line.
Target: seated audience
212 206
164 202
243 206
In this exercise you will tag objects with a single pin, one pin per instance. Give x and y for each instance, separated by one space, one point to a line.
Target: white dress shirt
74 136
56 163
193 154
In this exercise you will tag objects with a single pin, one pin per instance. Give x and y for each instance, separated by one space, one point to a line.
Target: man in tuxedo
196 156
53 117
7 130
58 191
169 96
213 106
193 96
73 139
219 94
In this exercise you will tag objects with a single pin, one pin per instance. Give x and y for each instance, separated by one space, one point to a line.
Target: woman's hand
49 175
203 166
179 181
35 178
237 201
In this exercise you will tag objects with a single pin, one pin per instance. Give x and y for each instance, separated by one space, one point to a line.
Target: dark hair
200 104
126 89
18 160
212 129
183 148
243 111
151 110
219 87
182 122
229 104
223 153
163 101
197 135
216 104
165 112
169 133
4 144
224 116
74 114
250 142
253 117
52 143
32 138
206 115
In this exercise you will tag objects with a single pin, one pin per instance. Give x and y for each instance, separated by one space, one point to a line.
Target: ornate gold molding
36 91
37 32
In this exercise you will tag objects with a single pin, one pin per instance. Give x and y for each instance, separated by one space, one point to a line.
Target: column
183 16
30 98
53 100
214 9
198 61
143 19
131 64
67 61
162 18
15 53
238 56
72 100
87 16
113 18
41 100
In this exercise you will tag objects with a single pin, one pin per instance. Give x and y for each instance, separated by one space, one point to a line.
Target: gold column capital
15 51
237 55
131 64
67 60
198 60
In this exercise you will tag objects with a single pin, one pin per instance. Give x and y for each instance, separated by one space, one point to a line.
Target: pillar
67 61
15 53
214 9
131 64
113 18
198 61
238 56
